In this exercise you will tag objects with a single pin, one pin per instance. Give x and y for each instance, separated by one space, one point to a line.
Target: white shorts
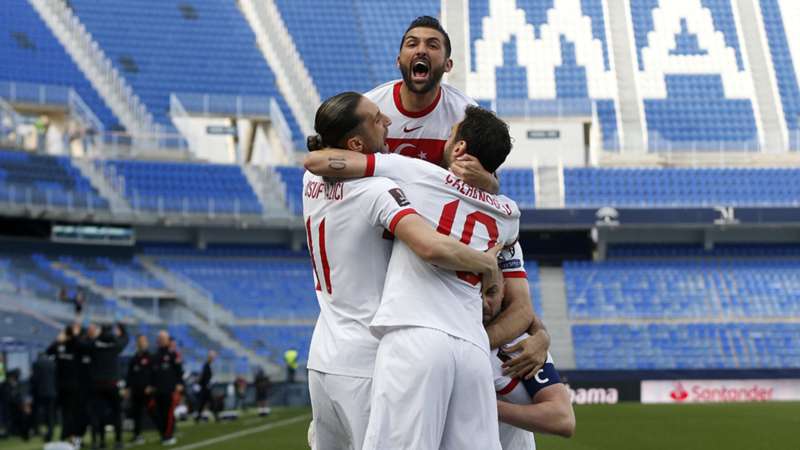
431 391
340 408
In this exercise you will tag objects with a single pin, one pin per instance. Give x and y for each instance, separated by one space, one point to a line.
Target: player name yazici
477 194
333 191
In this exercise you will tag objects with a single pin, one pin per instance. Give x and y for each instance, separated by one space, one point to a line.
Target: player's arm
532 351
469 169
337 163
448 253
551 412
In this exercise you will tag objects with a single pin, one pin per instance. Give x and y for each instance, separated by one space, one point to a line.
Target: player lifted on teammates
423 110
345 225
432 385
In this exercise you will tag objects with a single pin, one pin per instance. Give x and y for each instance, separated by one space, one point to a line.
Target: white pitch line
247 432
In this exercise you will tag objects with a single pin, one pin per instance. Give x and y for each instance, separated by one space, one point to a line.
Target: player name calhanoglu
478 194
332 191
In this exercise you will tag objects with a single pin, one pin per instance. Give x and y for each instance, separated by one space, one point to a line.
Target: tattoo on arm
337 163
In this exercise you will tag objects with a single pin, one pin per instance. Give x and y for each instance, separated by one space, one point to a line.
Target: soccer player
423 110
541 404
346 223
432 386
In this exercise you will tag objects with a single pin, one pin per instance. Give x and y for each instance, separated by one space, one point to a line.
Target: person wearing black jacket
138 380
167 383
43 391
65 351
103 347
204 397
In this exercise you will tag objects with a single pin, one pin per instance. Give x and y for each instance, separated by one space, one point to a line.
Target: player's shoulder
454 96
512 206
381 90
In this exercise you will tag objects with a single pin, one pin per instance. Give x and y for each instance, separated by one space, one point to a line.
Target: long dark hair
336 121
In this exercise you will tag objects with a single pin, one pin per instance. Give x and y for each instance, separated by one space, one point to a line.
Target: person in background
104 346
137 381
3 427
290 356
204 382
240 387
166 384
18 406
262 384
43 391
66 355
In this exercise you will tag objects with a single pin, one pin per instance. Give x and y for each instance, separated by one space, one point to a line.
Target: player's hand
179 388
469 169
492 281
148 390
532 356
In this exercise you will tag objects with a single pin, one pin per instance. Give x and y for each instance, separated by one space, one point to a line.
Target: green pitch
755 426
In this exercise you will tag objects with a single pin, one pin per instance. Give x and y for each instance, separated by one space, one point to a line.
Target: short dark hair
336 121
433 23
486 136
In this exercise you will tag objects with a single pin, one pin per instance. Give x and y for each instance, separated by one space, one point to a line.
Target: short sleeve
385 203
399 168
511 261
546 376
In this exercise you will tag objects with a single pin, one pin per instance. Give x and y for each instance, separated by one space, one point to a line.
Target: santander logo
679 394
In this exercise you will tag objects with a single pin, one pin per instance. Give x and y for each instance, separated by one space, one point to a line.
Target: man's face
142 343
374 126
423 60
163 339
491 308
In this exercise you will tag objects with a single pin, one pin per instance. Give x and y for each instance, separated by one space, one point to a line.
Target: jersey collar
414 114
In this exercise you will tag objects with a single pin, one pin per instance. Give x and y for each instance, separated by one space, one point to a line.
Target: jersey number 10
446 225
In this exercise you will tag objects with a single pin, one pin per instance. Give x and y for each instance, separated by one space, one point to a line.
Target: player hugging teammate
415 300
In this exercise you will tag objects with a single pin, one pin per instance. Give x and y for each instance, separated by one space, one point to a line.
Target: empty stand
544 51
685 288
692 346
253 287
29 52
27 178
518 185
166 46
681 187
271 341
187 187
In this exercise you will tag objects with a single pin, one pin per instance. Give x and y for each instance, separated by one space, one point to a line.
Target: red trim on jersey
326 268
311 253
398 102
398 216
509 387
515 275
370 171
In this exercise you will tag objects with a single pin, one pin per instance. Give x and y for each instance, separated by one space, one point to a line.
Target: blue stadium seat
187 187
194 46
30 53
45 180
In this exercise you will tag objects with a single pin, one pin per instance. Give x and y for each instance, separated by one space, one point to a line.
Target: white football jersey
346 225
513 390
420 134
418 294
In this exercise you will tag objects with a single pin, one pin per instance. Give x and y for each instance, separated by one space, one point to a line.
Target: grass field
754 426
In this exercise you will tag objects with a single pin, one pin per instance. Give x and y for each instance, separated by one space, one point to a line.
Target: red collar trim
414 114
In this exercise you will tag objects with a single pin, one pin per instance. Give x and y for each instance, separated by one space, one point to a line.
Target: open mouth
420 70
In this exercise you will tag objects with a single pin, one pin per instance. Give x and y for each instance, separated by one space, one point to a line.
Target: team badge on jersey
399 197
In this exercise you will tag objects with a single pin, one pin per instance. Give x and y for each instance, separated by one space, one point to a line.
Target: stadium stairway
89 57
93 286
550 183
291 75
91 171
754 41
554 312
193 296
268 188
630 113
